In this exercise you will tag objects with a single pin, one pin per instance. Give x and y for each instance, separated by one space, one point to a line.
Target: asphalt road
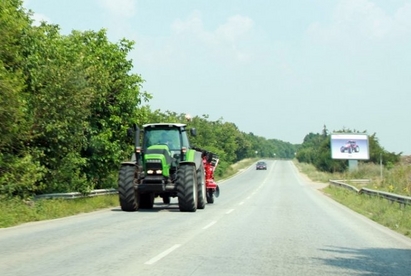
271 222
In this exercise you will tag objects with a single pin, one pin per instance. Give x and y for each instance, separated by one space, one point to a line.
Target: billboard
350 146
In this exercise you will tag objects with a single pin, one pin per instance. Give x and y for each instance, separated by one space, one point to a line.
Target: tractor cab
173 136
164 147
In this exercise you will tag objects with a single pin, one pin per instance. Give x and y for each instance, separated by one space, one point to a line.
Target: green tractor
165 166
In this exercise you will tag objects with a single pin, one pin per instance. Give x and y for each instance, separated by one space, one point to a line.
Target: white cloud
193 24
38 18
402 19
235 28
119 13
225 41
120 8
361 20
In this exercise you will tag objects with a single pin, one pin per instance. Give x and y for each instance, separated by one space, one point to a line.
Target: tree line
66 102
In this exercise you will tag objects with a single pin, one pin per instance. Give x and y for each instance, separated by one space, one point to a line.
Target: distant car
261 165
350 146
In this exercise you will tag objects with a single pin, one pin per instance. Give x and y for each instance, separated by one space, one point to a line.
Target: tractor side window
184 140
148 143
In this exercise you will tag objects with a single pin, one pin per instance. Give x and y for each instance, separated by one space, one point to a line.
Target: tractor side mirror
193 131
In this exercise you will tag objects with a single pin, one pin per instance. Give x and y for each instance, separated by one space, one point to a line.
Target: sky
278 69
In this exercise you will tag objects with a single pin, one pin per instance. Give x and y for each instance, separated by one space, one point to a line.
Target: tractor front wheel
127 194
187 188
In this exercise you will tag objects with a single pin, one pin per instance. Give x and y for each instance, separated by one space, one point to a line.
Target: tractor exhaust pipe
135 131
137 136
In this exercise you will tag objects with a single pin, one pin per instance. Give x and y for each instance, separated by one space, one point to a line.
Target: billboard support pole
352 165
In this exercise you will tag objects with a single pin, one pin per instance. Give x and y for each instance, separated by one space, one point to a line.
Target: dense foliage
66 102
316 150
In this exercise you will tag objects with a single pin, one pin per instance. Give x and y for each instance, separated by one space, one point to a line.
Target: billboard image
349 146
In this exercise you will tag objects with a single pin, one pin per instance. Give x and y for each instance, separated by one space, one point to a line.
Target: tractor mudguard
193 156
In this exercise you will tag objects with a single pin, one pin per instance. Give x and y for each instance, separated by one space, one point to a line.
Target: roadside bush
68 177
20 175
397 179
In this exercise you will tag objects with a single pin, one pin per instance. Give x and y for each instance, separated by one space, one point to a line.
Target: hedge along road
271 222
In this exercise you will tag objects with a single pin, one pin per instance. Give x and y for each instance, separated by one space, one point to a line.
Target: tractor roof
162 125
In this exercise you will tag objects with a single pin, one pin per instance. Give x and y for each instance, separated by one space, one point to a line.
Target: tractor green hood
158 156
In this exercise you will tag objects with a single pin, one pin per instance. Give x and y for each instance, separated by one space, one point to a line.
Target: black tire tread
146 201
202 193
186 182
127 194
210 197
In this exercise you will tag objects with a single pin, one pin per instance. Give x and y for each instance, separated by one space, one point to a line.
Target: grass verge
15 211
380 210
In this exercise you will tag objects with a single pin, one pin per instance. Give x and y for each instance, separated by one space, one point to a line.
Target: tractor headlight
154 166
154 171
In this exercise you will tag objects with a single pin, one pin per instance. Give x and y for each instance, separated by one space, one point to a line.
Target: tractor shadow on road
158 207
370 261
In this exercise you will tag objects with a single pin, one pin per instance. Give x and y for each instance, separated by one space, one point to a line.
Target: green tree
377 152
114 105
58 105
20 171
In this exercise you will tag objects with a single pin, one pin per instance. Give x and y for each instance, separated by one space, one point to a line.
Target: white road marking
209 225
241 203
162 255
229 211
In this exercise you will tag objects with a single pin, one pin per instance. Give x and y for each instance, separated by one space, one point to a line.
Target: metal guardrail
402 200
390 196
73 195
342 184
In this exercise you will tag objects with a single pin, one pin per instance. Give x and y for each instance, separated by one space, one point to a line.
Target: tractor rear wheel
166 199
127 194
187 188
210 197
202 192
146 200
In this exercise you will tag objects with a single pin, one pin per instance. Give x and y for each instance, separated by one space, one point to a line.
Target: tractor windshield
156 136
